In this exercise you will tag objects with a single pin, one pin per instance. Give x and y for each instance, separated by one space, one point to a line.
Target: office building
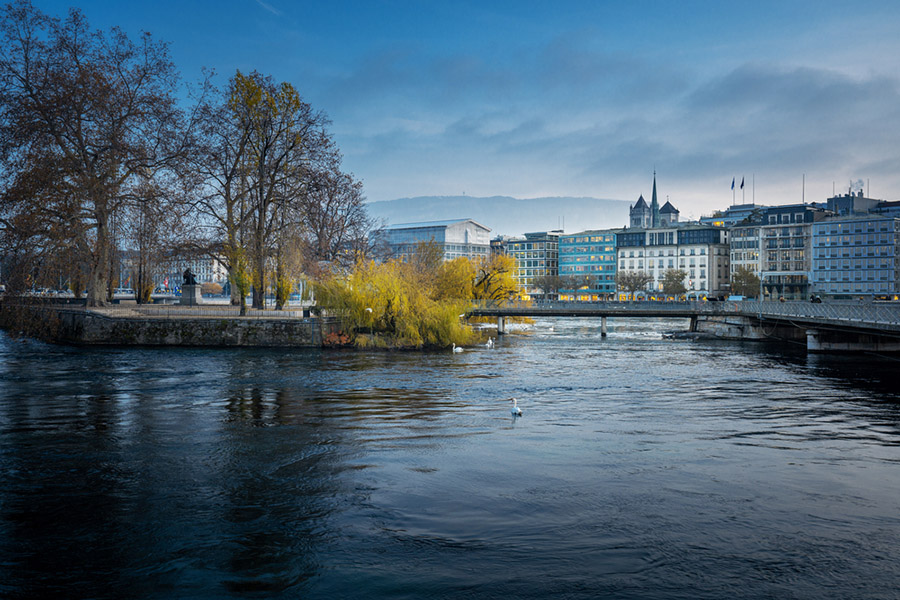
536 254
856 256
589 258
458 238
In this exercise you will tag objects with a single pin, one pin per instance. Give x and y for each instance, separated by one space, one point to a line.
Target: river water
643 467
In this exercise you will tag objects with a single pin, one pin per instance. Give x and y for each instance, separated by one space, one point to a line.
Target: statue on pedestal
190 291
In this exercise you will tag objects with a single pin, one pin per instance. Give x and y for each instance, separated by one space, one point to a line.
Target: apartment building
699 250
786 249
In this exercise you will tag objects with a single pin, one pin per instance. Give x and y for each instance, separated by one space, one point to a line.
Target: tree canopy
744 282
417 302
632 282
673 282
99 159
87 119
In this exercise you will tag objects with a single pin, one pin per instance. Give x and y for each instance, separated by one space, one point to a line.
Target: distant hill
506 215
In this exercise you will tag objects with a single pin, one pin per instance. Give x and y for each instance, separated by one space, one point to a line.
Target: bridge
826 326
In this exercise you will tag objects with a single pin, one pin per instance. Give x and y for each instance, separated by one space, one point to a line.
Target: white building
205 269
746 248
458 238
698 250
169 272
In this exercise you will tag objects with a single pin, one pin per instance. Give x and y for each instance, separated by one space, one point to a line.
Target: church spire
654 205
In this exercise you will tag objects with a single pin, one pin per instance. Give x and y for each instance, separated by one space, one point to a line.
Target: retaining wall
84 327
734 327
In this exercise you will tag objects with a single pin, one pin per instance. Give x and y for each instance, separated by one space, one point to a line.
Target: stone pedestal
190 295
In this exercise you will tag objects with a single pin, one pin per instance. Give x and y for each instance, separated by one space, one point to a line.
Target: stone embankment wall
84 327
745 328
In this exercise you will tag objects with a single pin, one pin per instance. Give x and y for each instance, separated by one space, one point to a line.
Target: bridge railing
867 313
551 305
863 313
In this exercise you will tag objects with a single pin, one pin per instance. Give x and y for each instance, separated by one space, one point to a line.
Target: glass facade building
590 258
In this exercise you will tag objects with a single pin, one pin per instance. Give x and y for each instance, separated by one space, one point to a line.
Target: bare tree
673 282
631 282
336 222
551 284
222 199
85 116
745 282
286 139
153 223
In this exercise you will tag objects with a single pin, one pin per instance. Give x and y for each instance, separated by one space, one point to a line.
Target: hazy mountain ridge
508 215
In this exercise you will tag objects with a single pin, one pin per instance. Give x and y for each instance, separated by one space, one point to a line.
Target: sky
799 99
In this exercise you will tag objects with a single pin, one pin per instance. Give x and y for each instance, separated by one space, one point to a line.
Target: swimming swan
457 348
515 410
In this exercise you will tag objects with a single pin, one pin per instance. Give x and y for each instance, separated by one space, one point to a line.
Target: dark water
642 468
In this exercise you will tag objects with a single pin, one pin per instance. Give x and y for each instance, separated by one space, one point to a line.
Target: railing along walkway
174 311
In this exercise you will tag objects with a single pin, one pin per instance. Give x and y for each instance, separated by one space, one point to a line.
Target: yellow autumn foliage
389 305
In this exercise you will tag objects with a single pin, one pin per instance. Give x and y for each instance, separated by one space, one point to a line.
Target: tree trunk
236 293
259 285
98 278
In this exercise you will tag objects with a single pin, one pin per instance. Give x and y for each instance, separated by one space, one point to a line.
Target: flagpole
754 189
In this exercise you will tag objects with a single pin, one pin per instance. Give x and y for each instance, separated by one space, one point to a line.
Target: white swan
489 343
457 348
515 410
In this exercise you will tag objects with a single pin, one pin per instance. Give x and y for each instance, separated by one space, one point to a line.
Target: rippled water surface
642 468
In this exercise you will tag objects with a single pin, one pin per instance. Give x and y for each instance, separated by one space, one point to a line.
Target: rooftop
445 223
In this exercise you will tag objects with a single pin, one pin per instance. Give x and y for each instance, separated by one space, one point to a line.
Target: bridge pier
602 326
501 325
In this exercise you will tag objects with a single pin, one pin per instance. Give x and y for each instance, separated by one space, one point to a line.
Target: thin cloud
269 8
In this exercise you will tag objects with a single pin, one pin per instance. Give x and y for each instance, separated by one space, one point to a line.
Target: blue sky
533 99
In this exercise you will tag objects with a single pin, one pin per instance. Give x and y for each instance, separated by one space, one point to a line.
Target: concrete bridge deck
872 317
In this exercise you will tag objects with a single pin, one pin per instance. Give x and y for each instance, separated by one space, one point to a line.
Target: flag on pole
732 183
742 183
